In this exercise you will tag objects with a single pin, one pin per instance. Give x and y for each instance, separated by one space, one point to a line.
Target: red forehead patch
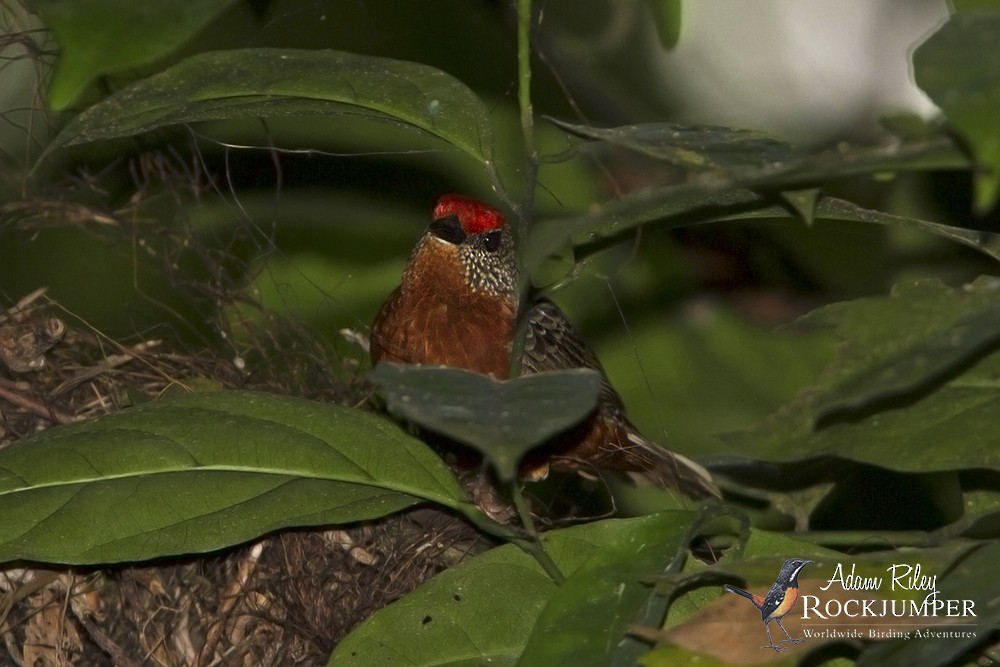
474 216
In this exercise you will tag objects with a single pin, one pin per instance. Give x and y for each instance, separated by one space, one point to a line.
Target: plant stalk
533 545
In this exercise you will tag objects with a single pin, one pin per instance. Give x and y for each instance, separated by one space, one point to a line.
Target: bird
779 600
457 305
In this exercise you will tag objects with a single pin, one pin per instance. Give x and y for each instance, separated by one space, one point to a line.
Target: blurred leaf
684 357
910 379
728 166
667 21
726 193
258 83
803 202
674 656
950 429
951 68
501 419
747 158
830 208
206 471
673 206
98 37
482 610
683 205
586 620
695 147
981 516
922 332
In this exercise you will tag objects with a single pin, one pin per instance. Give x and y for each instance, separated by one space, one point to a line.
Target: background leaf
696 147
913 384
683 205
98 37
667 16
951 69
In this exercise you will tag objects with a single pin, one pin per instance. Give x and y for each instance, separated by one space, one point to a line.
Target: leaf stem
526 208
533 545
524 102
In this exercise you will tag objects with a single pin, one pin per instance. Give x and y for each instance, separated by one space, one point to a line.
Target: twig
30 404
109 363
229 599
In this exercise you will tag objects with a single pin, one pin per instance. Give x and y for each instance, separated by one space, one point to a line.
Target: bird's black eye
491 241
448 229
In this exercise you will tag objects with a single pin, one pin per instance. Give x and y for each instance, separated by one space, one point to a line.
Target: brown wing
607 439
552 343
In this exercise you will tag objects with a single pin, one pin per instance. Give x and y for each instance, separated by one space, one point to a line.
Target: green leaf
696 147
952 68
98 37
692 350
830 208
482 610
682 205
734 167
258 83
981 514
803 202
913 386
588 617
667 21
894 345
673 206
501 419
206 471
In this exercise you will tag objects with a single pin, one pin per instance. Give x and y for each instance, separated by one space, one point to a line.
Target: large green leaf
99 37
502 419
205 471
913 386
255 83
891 345
587 619
482 610
953 67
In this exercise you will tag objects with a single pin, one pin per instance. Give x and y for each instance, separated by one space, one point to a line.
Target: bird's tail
670 469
